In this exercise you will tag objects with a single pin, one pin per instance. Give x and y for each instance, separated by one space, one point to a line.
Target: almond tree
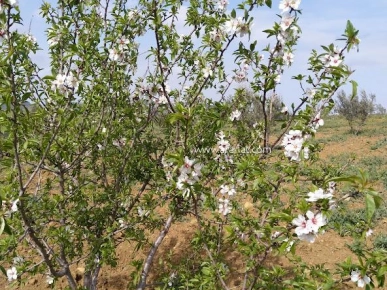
114 147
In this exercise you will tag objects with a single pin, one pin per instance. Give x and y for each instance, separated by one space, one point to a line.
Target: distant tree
355 109
255 109
379 109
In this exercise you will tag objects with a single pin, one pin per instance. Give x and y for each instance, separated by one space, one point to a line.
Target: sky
322 22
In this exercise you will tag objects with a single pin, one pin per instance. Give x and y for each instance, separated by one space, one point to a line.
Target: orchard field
368 150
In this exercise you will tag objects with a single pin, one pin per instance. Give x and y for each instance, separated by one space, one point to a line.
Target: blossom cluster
238 26
308 227
31 38
223 147
241 74
12 272
190 172
224 202
293 145
118 52
288 31
119 143
332 59
155 93
65 83
168 168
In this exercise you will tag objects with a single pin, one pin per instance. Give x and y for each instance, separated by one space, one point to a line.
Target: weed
356 247
353 222
379 143
380 242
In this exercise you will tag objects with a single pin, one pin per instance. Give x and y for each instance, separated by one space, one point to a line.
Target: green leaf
350 29
233 13
299 77
352 179
206 271
268 3
7 229
354 89
370 207
377 198
382 271
174 117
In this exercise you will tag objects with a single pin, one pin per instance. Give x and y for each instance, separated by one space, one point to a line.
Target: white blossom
335 60
141 212
14 3
235 115
288 58
317 122
31 38
306 229
240 76
306 152
226 189
286 5
216 35
65 83
361 280
123 43
223 145
317 195
310 93
222 4
116 55
231 25
53 41
302 226
14 207
12 274
190 172
224 206
315 221
277 79
120 143
49 279
207 72
286 21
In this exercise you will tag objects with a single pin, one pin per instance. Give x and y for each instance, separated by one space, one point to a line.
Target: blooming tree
111 134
